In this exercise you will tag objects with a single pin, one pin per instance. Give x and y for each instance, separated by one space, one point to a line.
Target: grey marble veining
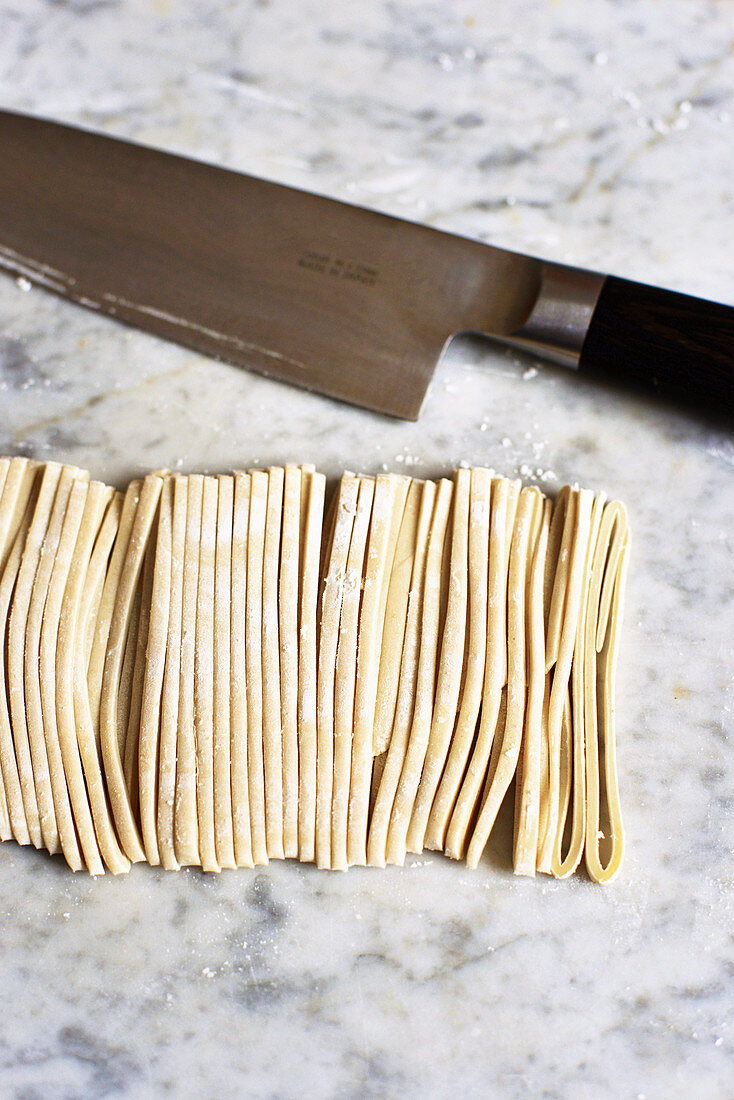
590 131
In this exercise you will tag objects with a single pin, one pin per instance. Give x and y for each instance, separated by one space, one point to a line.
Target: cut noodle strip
288 642
221 717
346 674
312 514
238 703
331 606
254 664
23 831
204 677
600 716
168 736
530 766
272 734
155 663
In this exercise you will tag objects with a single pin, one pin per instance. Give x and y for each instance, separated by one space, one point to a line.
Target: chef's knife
332 297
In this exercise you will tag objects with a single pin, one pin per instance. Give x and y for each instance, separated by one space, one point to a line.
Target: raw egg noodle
220 671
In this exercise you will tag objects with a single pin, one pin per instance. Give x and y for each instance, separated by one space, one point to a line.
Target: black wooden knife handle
678 346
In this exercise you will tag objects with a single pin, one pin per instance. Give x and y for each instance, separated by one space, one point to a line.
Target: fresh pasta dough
218 671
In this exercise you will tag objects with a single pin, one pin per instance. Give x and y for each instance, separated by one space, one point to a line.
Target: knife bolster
558 323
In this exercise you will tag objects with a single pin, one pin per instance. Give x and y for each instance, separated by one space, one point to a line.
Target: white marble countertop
590 131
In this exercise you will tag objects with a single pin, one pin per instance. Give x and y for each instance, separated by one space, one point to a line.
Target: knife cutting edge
332 297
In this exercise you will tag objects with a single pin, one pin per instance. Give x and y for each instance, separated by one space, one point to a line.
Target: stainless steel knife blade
332 297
